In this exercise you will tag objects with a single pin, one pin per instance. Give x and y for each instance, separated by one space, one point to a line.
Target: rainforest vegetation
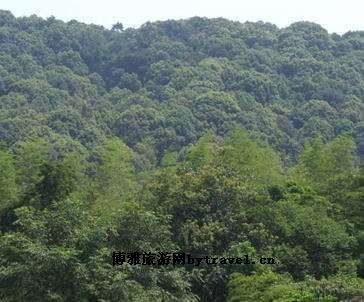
205 136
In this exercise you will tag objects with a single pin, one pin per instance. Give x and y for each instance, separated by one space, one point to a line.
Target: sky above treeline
335 15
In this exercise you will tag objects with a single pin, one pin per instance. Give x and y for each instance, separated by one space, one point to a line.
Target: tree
115 181
8 187
277 287
118 27
248 159
327 166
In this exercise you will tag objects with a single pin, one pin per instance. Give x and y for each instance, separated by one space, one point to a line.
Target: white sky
335 15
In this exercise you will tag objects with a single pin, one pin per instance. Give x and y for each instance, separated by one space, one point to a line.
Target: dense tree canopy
206 136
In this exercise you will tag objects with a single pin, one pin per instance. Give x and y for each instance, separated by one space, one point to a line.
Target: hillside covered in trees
203 136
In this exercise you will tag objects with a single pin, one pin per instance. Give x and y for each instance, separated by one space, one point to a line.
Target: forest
203 136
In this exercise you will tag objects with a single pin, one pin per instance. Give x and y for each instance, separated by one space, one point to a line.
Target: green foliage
114 179
203 152
249 160
216 75
326 164
271 287
131 140
40 257
58 180
8 187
